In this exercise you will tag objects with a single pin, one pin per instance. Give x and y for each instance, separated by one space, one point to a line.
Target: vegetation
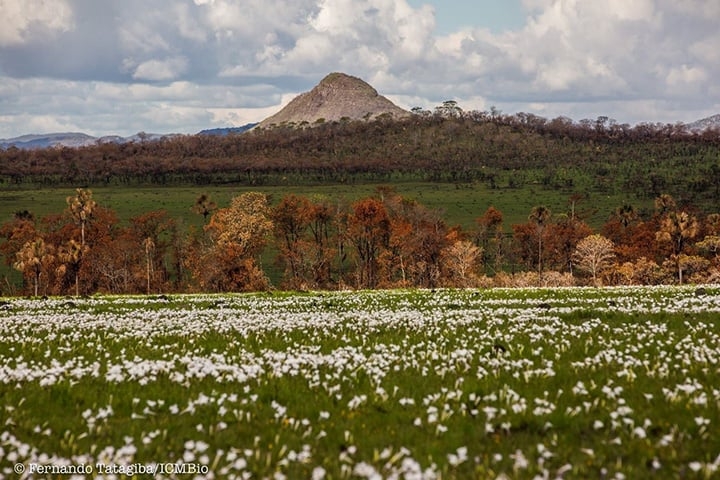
453 384
380 241
466 163
499 151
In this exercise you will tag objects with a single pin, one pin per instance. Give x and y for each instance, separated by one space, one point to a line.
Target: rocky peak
338 96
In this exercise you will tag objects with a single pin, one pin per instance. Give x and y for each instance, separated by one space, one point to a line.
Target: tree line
382 241
447 145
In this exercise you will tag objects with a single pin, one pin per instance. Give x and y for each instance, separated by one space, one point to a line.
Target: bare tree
149 252
594 254
461 259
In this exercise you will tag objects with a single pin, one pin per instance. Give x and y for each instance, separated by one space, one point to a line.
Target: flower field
525 383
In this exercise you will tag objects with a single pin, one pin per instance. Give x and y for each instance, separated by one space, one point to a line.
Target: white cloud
686 75
20 16
167 69
178 64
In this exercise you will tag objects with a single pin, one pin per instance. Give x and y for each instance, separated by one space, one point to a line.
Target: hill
503 152
67 139
338 96
75 140
704 124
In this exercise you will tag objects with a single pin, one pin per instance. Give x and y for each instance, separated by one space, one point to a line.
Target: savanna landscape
448 295
619 382
381 203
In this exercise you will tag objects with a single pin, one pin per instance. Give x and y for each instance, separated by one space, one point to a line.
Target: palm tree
71 254
33 257
676 229
204 206
626 214
81 207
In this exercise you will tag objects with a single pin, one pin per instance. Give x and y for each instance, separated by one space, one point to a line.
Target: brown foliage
369 232
377 242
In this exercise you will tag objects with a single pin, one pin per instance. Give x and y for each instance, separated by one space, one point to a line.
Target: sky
107 67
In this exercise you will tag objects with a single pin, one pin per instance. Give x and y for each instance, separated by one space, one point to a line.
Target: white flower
700 421
521 462
458 457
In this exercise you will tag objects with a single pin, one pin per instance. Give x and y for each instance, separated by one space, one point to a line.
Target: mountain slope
705 124
338 96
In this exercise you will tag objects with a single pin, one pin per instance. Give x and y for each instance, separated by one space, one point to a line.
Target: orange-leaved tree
238 235
291 219
369 232
489 236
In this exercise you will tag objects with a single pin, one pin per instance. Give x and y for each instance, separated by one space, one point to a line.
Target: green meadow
446 384
460 204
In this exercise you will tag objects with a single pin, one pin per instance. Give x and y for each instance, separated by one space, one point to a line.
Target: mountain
705 124
75 139
68 139
221 132
338 96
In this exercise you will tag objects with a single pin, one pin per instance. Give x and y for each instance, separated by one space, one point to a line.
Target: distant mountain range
77 139
338 97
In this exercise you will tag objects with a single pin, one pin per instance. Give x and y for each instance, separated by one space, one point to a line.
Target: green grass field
461 204
570 383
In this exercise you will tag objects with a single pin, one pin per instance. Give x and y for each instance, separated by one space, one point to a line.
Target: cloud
23 19
175 64
167 69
